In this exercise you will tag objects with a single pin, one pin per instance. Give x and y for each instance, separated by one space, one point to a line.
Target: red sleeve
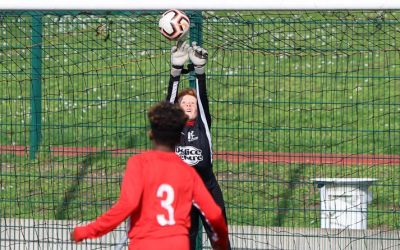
212 212
128 202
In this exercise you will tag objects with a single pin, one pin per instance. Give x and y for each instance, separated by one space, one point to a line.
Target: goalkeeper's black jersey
195 146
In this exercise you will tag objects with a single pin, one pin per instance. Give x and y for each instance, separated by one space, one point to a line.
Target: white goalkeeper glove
199 57
179 56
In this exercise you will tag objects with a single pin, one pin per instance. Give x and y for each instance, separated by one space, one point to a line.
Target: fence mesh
295 96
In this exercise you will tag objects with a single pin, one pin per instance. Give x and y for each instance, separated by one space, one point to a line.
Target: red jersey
157 192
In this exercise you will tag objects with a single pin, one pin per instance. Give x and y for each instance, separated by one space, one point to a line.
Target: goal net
296 97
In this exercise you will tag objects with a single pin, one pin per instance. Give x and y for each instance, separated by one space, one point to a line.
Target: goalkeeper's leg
216 193
194 227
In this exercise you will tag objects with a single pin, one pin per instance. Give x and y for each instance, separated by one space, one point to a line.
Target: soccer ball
174 24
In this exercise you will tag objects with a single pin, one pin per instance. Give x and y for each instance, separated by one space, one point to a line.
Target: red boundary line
231 156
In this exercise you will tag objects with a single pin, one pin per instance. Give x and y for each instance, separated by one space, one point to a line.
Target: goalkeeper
195 145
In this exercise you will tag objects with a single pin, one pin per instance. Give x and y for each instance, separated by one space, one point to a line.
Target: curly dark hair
167 121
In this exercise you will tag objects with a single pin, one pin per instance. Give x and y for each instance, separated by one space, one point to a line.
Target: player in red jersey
157 192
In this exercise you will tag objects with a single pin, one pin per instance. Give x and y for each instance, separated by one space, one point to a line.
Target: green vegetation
285 195
256 194
316 82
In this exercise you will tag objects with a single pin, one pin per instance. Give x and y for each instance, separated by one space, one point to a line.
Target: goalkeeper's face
189 104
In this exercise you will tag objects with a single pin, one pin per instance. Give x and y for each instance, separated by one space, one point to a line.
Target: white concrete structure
25 234
344 202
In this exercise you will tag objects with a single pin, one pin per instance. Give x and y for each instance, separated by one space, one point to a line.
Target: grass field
289 82
256 194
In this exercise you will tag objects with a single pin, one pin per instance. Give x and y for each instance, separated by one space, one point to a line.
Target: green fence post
196 35
36 91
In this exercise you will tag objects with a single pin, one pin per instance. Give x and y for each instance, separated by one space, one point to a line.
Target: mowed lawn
278 82
256 194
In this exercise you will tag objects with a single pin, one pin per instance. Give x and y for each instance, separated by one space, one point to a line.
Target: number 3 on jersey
167 204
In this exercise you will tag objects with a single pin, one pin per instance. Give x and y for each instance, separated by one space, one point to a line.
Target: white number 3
166 203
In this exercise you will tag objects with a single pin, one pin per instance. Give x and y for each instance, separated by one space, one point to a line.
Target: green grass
292 84
285 195
60 188
282 82
255 194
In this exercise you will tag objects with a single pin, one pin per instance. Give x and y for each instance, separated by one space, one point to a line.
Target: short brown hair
167 121
187 91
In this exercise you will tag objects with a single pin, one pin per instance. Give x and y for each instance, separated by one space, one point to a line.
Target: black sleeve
173 88
203 105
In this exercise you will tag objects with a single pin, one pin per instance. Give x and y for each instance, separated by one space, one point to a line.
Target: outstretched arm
201 89
173 87
199 57
179 55
131 191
